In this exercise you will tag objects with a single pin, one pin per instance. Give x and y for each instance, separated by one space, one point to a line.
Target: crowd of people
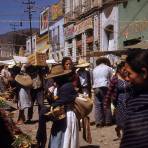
124 86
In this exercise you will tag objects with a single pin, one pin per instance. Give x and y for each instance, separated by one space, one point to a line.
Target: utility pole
29 10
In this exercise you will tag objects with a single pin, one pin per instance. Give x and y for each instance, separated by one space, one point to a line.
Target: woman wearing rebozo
135 132
65 131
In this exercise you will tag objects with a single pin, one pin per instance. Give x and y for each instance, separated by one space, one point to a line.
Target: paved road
102 137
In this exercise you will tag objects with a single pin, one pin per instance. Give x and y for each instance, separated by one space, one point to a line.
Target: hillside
24 32
17 38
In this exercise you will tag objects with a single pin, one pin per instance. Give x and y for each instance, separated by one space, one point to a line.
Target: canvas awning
142 45
20 59
8 62
103 53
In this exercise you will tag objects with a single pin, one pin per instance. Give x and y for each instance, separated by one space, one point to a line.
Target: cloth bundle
82 106
56 113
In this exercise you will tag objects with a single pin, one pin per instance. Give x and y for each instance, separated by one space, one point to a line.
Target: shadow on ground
90 146
31 122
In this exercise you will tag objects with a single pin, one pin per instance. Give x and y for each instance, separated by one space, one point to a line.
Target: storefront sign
135 27
44 16
81 27
69 31
57 10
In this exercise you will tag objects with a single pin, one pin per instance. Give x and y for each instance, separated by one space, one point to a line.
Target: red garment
112 92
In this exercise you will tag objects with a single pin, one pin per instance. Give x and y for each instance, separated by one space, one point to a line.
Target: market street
102 137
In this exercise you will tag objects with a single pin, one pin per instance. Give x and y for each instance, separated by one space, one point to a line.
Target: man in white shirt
101 77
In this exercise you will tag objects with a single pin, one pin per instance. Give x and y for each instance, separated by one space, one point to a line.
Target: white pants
71 137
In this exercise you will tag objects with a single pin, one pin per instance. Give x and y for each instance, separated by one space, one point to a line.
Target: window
109 32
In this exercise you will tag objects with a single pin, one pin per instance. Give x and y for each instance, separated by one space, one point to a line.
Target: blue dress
119 92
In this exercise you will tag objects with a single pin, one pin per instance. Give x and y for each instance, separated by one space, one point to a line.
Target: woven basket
37 59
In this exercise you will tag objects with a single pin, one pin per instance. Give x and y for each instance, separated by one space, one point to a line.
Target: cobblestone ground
102 137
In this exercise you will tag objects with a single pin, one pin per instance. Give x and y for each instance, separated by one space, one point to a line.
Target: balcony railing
96 3
82 9
69 17
78 11
87 5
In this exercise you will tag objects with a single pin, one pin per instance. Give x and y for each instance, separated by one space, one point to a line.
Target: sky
12 12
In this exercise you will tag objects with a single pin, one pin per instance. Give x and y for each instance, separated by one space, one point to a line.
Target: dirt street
101 137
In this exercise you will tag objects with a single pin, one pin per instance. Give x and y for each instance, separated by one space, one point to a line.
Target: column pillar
66 49
84 45
74 51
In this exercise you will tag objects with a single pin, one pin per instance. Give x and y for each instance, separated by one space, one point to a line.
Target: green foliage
22 141
2 104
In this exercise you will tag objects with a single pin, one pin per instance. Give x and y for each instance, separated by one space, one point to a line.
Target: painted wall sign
57 10
44 17
69 31
84 25
135 27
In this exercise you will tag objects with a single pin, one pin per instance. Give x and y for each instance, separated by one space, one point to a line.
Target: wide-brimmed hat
24 80
57 71
82 63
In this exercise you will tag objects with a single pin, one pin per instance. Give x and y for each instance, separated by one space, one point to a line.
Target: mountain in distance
22 32
17 38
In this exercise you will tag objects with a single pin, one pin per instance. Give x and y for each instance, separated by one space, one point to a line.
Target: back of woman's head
103 60
137 59
120 66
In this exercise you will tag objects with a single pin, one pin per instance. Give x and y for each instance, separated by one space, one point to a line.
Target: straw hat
24 80
82 63
123 57
57 71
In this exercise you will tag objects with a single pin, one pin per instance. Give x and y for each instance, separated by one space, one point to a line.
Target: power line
29 10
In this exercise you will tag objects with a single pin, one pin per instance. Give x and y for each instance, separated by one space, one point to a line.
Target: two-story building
56 31
81 27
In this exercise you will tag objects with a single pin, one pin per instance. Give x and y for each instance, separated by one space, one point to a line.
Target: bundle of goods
56 113
8 95
22 141
38 59
2 102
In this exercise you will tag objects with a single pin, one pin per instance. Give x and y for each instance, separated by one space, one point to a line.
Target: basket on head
24 80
